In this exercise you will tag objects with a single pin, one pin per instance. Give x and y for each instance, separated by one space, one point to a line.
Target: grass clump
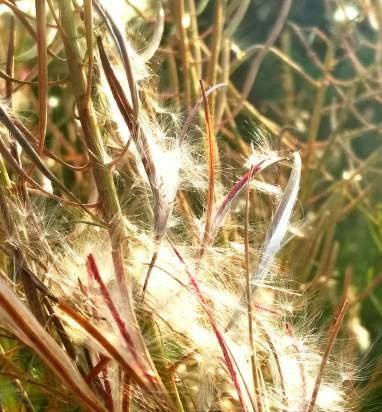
169 240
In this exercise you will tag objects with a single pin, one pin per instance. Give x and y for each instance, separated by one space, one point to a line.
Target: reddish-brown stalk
104 360
332 337
108 391
94 272
138 375
219 336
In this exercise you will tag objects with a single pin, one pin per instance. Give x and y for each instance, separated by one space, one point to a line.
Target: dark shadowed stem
42 58
315 122
10 63
255 66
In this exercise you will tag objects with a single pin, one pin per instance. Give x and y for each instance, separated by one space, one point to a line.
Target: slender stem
256 64
195 39
334 332
221 99
174 80
216 45
319 102
316 120
249 300
10 64
179 12
42 50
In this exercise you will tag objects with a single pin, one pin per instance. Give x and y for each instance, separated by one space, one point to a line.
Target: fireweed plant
155 254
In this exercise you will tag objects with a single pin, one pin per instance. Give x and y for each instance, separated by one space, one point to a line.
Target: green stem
103 177
110 206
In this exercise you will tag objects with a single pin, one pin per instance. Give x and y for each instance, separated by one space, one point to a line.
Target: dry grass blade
194 111
102 363
280 223
162 200
163 196
118 94
146 379
19 320
120 43
236 190
278 229
217 33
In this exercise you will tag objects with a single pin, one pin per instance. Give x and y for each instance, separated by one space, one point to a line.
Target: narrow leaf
154 43
121 46
211 165
235 191
280 223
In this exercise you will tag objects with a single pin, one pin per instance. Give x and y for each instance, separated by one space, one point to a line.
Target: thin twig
332 337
